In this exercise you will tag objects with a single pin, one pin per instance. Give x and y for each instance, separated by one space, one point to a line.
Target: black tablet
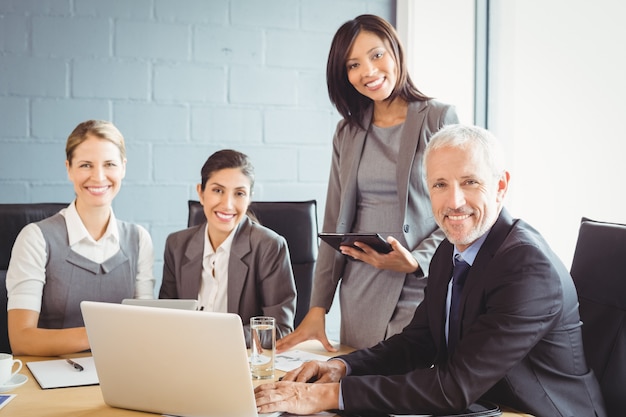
374 240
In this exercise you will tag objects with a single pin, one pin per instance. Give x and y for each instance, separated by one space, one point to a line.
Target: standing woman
376 185
231 263
81 253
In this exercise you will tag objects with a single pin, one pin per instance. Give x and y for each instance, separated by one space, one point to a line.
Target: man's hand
296 397
317 371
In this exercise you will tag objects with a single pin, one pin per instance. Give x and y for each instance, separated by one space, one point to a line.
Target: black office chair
13 217
296 221
599 272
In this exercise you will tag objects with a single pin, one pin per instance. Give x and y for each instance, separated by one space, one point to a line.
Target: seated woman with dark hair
231 263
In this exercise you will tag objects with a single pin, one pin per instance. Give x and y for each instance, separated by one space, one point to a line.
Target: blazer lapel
437 291
487 251
490 246
191 269
352 148
237 268
408 149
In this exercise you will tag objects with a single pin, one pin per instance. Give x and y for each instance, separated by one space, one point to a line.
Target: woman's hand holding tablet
373 240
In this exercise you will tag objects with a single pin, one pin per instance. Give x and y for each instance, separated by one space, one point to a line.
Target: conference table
86 401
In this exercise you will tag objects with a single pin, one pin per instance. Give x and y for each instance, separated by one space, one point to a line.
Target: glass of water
263 346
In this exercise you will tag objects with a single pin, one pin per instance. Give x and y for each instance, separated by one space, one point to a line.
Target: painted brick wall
181 79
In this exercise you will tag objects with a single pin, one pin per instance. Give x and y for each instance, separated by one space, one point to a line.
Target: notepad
5 398
57 373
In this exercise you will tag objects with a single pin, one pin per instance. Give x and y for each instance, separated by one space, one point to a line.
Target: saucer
16 381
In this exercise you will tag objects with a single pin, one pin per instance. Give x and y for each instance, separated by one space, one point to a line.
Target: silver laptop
170 361
163 303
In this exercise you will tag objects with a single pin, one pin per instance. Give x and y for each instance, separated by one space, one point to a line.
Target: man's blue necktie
459 274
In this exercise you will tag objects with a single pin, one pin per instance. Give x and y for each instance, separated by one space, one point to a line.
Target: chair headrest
296 221
598 262
13 217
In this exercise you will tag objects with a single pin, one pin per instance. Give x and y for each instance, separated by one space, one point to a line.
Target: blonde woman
81 253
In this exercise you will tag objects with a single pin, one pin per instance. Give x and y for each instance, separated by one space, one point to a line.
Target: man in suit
518 341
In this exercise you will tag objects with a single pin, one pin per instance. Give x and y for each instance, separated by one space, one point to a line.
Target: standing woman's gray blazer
424 118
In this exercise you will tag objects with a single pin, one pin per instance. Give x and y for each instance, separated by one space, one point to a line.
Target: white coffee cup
7 364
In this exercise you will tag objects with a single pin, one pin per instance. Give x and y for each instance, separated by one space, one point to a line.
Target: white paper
58 373
291 359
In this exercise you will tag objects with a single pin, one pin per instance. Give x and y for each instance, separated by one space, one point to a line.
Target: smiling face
371 67
96 168
225 199
465 194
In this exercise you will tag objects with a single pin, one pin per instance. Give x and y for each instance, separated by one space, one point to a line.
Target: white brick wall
181 79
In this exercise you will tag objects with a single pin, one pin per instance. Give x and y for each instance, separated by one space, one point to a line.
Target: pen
76 366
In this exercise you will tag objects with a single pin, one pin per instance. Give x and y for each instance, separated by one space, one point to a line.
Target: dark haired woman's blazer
260 278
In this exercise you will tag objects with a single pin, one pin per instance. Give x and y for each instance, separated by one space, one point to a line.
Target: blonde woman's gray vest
72 278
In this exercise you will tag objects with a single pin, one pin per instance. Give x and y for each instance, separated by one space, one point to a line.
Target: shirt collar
224 247
76 230
469 254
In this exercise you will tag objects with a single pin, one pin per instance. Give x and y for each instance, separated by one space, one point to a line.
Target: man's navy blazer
520 342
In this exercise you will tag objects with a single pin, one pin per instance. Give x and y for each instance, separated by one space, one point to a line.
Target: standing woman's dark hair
224 159
349 102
